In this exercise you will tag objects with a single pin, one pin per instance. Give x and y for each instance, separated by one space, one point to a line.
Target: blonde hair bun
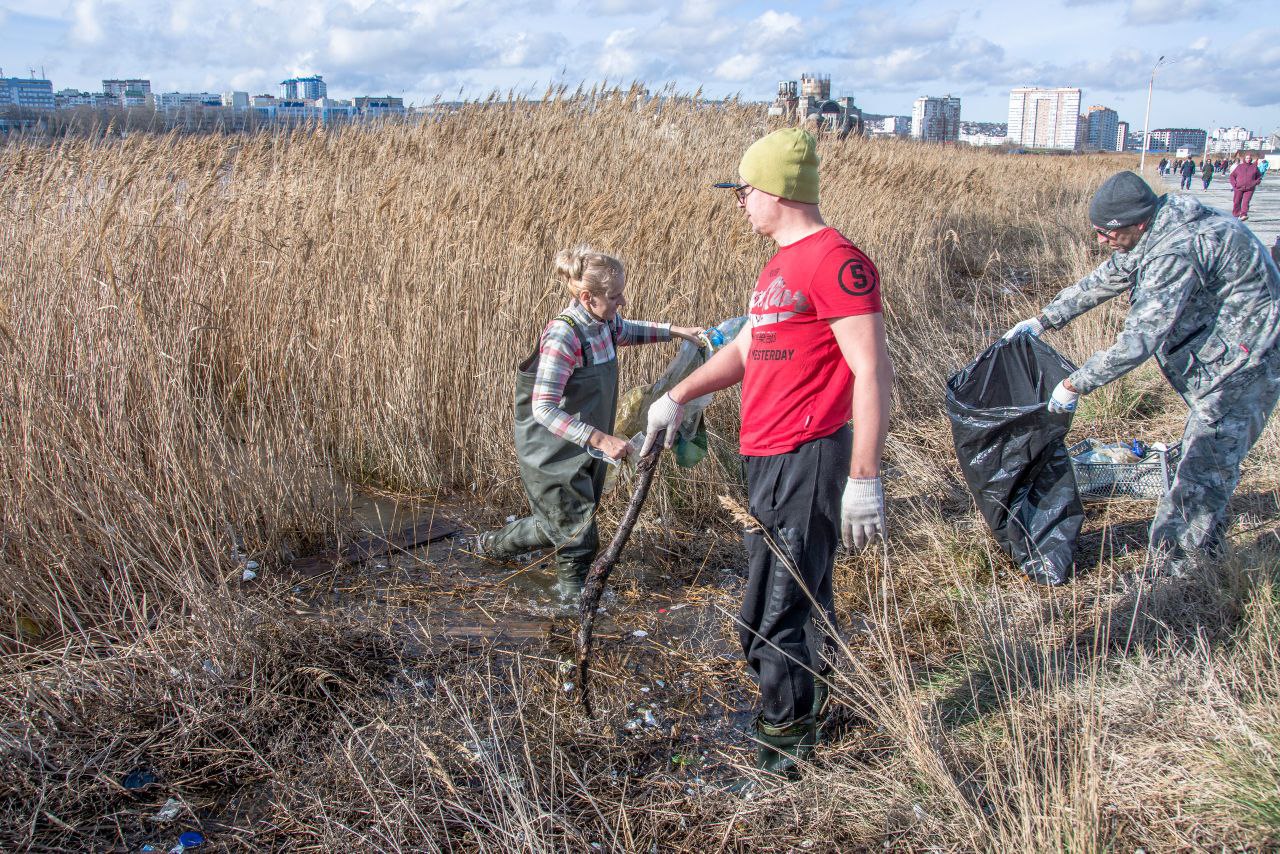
584 268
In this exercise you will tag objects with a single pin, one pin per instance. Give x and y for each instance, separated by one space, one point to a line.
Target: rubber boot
782 750
779 753
569 580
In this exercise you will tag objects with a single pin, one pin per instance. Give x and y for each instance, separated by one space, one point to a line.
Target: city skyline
1225 74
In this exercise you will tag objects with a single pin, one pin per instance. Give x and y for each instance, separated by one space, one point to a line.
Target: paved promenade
1264 210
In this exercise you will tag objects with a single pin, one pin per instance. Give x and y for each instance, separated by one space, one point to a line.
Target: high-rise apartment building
935 119
1044 118
304 88
1101 134
1229 140
1172 139
183 100
236 100
128 93
31 92
1122 136
118 88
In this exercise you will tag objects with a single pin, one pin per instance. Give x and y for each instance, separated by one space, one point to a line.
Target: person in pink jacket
1243 179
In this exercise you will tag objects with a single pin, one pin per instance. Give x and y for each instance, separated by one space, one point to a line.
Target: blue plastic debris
139 779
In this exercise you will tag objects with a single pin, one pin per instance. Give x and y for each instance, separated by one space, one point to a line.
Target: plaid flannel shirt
560 354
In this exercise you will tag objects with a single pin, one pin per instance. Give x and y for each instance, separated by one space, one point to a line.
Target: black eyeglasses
1110 235
739 190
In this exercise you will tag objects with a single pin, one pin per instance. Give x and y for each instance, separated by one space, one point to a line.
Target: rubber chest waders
563 483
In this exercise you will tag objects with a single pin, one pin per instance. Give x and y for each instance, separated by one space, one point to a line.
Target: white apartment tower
1044 118
936 119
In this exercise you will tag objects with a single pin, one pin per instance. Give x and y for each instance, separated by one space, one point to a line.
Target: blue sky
885 54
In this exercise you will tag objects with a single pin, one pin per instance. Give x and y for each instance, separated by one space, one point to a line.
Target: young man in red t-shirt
812 357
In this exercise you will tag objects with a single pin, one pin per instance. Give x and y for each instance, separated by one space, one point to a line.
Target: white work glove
1030 326
665 416
862 512
1063 401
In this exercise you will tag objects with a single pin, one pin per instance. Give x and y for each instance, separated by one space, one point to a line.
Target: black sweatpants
796 498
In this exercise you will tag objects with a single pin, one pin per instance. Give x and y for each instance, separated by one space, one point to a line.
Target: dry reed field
200 335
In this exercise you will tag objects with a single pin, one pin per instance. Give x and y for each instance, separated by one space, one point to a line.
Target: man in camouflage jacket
1205 301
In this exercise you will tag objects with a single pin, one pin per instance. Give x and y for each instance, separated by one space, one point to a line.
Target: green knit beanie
784 164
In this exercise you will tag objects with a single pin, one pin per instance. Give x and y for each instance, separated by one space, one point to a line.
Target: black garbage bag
1012 452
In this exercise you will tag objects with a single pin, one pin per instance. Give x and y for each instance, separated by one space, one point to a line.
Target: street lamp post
1146 120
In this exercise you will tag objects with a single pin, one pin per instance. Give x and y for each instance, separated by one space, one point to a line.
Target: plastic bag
1012 453
691 442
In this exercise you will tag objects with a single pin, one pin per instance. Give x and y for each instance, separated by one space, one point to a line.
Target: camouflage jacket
1204 300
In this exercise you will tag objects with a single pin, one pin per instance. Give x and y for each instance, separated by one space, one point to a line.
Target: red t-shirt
797 385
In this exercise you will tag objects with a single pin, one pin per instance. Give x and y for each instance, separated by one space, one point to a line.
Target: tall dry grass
198 333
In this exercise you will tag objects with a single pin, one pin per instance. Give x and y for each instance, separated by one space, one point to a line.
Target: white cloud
1171 11
617 7
617 58
738 68
773 24
86 29
530 49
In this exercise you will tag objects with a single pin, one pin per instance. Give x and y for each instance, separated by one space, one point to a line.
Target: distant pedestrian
1206 173
1243 180
1164 165
1187 171
1263 165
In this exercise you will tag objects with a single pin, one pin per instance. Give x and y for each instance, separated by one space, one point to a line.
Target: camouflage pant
1192 517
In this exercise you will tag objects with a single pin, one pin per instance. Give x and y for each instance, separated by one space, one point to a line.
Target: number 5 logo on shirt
854 278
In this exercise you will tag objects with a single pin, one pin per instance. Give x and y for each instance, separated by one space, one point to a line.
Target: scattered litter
209 667
187 841
139 779
659 683
480 750
568 686
172 809
662 610
644 689
148 848
678 607
649 719
379 566
807 843
639 633
511 519
248 575
251 564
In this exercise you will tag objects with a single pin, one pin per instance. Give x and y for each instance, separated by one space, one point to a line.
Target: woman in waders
566 396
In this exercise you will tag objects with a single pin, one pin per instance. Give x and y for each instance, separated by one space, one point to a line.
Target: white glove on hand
1063 401
1030 326
665 416
862 512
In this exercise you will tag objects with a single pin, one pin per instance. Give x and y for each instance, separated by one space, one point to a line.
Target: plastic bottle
713 338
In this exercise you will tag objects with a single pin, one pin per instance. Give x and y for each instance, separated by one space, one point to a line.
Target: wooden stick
428 529
593 588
